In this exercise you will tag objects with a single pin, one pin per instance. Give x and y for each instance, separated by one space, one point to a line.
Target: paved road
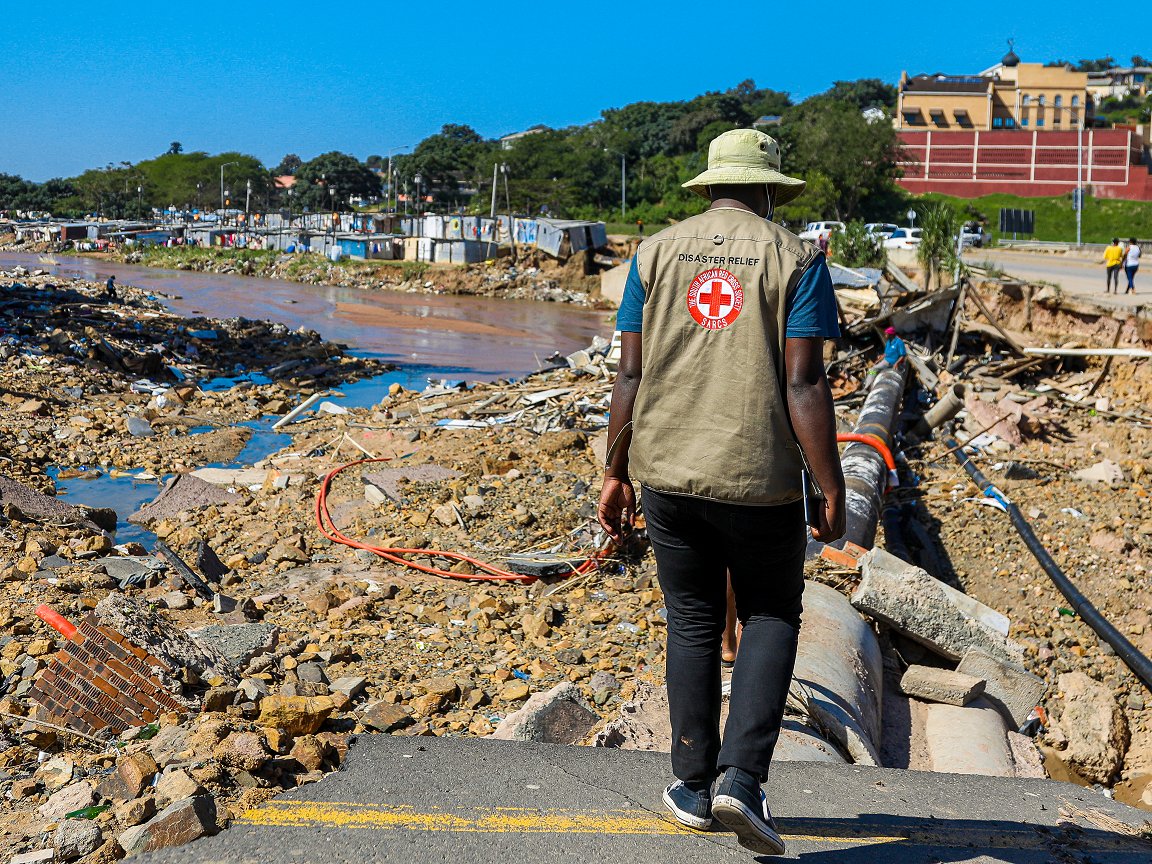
1081 278
476 801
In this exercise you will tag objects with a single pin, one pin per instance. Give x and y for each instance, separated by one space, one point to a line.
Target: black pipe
865 473
1140 665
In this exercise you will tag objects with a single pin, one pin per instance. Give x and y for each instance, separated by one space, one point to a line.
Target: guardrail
1067 247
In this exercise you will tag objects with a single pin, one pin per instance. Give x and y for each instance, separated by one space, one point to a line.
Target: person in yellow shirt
1113 261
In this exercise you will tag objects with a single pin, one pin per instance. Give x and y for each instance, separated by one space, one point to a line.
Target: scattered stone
351 686
136 772
558 716
175 785
1026 756
385 717
138 427
55 773
1094 727
40 856
176 600
129 813
219 699
1011 688
75 797
514 691
242 750
940 685
22 499
296 715
75 838
1105 471
179 823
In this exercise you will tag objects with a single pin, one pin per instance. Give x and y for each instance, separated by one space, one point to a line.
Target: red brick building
1032 163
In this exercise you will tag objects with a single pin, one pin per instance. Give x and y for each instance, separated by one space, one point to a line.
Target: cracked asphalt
478 801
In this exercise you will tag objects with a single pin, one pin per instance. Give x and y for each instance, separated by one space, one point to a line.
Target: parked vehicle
903 238
881 229
814 230
972 235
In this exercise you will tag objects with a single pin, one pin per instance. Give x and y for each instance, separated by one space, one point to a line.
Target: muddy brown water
476 337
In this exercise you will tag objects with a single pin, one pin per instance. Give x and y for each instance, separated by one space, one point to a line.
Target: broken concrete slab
968 740
1011 688
239 643
44 507
928 611
1093 727
558 716
75 838
245 477
182 493
940 685
175 648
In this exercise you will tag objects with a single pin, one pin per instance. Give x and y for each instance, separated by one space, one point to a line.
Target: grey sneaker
739 803
690 803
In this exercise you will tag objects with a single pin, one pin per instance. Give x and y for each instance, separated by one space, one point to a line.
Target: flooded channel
471 337
428 336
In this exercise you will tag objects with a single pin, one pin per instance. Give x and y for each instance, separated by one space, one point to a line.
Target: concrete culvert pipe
943 411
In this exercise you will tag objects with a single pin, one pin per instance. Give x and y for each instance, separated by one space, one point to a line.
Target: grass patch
1102 219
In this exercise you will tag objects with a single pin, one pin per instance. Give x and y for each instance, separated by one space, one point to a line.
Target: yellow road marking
494 820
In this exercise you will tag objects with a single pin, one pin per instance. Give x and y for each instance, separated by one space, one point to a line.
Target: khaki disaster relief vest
710 418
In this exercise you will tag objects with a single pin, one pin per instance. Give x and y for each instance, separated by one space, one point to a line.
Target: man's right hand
832 519
617 506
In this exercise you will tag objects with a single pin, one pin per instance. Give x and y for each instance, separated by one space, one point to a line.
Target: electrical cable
1140 665
488 572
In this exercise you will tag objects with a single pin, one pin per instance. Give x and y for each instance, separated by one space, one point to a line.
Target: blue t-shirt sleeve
811 307
630 318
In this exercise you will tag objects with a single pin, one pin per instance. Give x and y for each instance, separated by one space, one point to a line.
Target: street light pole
222 167
387 203
247 206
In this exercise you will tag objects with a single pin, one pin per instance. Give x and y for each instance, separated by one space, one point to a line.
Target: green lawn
1102 219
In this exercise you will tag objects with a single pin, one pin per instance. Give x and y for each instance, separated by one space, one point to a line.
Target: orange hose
55 620
489 573
872 441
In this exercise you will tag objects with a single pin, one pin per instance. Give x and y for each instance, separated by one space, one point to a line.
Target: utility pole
247 203
492 212
222 167
387 207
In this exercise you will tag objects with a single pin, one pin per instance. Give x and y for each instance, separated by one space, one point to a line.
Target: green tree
447 160
864 93
831 137
855 247
939 226
175 147
331 179
290 164
818 202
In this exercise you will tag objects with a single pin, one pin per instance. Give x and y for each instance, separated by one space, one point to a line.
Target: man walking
1131 264
719 403
1113 260
110 288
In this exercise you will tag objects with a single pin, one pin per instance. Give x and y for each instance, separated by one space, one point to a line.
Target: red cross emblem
715 299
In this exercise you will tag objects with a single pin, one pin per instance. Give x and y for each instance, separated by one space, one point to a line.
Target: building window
1010 122
1039 120
1024 120
1025 100
997 122
1075 101
913 117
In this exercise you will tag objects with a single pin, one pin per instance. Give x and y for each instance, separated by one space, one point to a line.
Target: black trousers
696 541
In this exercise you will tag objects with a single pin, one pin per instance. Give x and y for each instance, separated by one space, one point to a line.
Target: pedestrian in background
110 288
1131 264
719 403
1113 261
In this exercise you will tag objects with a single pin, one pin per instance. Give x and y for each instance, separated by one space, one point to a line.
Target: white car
972 236
813 231
881 229
903 238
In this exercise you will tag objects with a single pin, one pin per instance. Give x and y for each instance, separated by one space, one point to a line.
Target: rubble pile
322 641
89 380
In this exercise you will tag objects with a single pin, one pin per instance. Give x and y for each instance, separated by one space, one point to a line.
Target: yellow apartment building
1010 95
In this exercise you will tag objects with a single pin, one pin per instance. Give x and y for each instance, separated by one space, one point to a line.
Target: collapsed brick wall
100 682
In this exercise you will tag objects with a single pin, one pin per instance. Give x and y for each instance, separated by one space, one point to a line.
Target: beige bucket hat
746 156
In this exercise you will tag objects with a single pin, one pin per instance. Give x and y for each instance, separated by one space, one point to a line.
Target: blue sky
82 85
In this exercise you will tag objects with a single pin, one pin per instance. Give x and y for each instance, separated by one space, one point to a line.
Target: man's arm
814 423
617 497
